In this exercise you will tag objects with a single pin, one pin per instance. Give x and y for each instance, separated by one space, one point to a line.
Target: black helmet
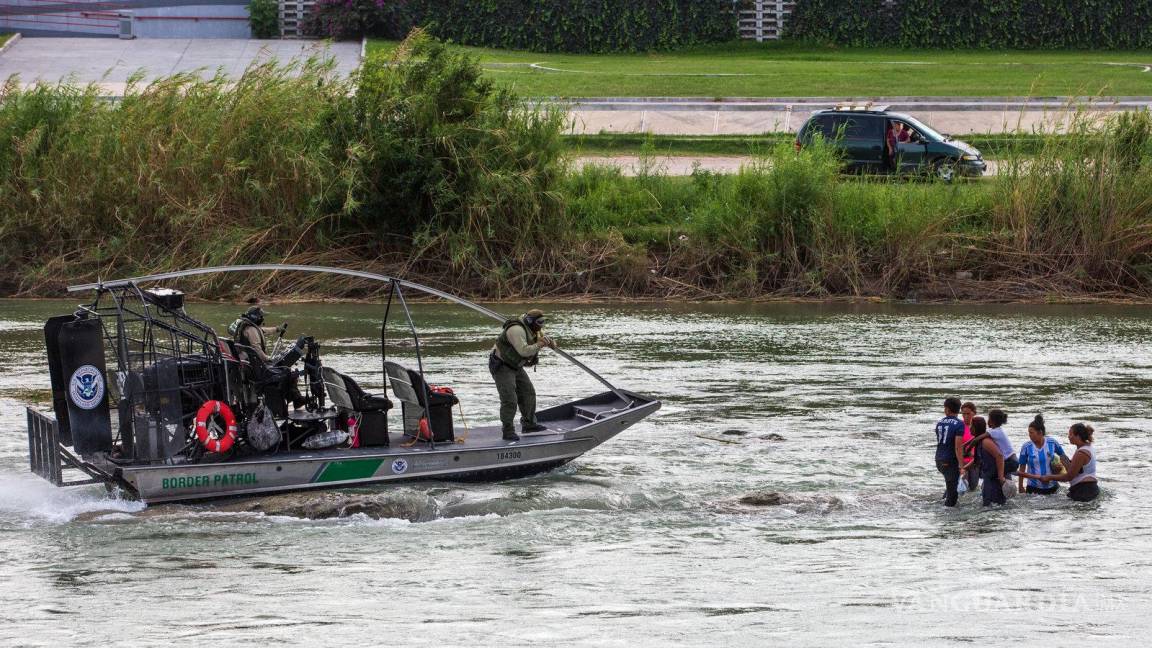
534 318
255 315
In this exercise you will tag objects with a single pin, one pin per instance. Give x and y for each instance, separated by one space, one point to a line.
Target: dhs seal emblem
86 387
399 467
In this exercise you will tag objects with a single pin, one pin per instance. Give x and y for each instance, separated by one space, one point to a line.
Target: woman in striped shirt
1040 455
1080 471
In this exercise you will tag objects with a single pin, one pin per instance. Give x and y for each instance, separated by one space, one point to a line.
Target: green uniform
516 348
248 334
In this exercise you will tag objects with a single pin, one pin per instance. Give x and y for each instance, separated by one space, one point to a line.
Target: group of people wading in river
971 449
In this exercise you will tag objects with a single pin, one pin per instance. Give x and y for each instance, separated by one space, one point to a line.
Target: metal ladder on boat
49 459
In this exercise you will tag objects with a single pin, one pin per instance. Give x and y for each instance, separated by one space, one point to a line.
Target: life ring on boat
207 411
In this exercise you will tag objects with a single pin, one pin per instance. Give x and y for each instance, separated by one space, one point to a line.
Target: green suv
873 140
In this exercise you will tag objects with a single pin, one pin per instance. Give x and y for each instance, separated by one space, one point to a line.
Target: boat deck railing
49 459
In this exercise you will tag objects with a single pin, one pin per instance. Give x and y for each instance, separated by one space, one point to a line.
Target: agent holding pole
518 346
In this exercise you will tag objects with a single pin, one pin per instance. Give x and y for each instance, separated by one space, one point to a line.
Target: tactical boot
510 435
535 427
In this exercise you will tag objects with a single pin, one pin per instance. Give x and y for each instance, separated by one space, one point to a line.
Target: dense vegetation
1006 24
536 25
264 18
423 167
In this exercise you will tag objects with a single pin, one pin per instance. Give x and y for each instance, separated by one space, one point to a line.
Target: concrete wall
151 18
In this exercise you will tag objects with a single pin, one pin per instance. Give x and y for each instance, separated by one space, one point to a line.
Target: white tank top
1089 469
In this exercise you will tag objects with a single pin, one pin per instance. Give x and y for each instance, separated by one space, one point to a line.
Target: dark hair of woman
969 406
997 417
1083 431
1038 424
979 426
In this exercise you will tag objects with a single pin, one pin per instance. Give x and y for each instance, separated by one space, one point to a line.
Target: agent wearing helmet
518 346
249 330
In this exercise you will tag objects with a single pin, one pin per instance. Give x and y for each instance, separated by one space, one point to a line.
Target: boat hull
343 468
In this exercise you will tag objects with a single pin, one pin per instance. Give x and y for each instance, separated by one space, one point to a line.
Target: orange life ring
212 443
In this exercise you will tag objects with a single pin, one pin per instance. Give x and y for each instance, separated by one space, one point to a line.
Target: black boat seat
347 395
424 393
418 401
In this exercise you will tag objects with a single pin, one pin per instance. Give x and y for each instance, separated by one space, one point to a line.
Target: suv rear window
861 127
823 124
849 127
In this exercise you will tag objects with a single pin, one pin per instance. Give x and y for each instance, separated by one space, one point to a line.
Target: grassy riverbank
424 168
793 70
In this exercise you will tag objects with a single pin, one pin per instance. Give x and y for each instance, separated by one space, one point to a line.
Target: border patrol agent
249 330
517 347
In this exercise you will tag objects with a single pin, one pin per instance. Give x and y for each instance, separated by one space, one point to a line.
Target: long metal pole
278 267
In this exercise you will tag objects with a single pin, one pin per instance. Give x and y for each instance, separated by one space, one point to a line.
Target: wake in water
27 499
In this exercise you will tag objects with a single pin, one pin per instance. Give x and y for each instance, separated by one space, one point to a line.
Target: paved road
752 116
681 165
110 62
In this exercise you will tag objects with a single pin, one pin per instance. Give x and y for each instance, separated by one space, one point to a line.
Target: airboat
149 400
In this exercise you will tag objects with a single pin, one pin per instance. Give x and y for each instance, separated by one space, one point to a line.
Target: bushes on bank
537 25
419 156
422 167
1007 24
264 18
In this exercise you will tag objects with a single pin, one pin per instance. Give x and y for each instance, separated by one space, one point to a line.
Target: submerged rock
734 432
327 505
764 498
801 502
772 436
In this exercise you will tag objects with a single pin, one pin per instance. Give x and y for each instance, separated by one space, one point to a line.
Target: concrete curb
363 48
860 99
896 104
11 42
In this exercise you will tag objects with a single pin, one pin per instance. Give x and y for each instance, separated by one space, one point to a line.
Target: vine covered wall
1004 24
536 25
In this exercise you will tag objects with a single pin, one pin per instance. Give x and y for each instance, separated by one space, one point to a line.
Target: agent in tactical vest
249 330
518 346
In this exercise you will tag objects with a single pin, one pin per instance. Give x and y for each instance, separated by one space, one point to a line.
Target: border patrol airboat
200 416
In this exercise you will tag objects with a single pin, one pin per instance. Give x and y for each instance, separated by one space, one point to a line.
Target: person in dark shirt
950 448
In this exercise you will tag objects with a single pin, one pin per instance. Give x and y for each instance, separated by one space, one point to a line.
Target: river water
826 411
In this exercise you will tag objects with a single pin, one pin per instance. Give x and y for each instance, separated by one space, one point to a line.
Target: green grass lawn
787 70
4 37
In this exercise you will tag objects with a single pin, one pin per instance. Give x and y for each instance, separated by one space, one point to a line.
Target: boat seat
265 379
401 382
412 392
422 392
347 395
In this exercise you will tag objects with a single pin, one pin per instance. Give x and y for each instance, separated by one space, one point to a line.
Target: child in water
1040 455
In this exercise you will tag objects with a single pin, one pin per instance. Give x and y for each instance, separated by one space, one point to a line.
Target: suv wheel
944 169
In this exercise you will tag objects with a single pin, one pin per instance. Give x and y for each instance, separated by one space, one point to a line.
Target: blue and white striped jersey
1038 461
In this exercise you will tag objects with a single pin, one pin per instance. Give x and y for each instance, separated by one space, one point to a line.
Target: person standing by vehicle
1039 456
1080 471
949 449
518 346
890 146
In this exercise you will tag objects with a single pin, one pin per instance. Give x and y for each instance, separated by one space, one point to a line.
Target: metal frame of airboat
597 418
